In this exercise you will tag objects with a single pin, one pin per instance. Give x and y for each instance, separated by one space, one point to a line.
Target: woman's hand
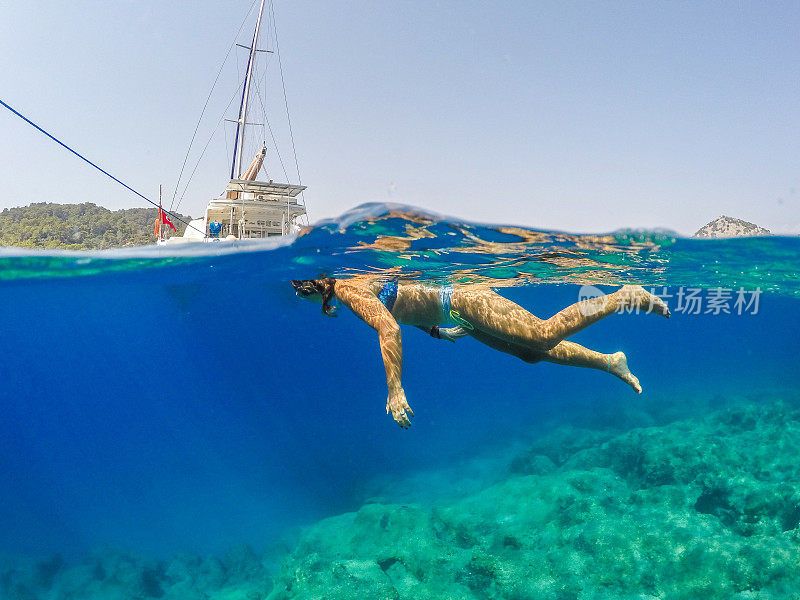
398 406
451 334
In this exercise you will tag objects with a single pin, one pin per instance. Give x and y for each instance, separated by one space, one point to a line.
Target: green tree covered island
79 226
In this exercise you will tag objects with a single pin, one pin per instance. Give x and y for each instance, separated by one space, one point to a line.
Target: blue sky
583 116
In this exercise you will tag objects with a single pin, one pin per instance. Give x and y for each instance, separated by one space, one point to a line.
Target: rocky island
724 226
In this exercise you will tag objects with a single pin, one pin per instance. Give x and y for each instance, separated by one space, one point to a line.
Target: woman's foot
618 366
635 296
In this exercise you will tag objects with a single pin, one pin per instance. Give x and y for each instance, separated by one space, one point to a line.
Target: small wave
413 243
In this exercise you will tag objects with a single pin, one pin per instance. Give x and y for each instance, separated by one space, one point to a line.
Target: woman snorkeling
479 312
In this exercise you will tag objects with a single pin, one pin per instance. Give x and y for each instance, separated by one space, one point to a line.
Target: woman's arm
372 311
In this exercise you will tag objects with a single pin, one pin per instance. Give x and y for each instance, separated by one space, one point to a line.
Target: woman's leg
575 355
499 317
566 353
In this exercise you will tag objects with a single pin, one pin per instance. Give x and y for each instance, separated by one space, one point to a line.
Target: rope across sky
103 171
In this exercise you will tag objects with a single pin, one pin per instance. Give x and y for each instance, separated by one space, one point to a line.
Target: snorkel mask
320 291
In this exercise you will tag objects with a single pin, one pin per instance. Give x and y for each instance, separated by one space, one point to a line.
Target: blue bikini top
388 294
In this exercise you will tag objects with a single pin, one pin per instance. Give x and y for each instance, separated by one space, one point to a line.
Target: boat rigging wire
205 106
211 137
82 157
286 102
272 135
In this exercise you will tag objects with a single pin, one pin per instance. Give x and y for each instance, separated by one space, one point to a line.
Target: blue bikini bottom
445 298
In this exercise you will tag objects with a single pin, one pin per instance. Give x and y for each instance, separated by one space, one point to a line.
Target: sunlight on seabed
410 243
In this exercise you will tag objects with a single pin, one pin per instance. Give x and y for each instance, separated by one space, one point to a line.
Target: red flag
165 220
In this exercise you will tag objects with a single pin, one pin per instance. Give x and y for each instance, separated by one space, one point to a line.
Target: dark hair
324 287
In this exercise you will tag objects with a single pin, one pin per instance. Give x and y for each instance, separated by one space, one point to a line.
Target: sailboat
249 208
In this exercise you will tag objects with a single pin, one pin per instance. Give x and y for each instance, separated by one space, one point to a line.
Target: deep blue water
166 400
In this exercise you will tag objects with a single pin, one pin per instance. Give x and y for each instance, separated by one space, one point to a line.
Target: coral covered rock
697 509
704 508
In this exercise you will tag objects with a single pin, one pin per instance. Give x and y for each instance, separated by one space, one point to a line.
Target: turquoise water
178 424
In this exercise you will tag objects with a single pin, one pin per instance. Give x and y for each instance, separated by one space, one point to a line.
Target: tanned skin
492 320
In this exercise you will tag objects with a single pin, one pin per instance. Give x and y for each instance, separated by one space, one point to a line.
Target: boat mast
238 147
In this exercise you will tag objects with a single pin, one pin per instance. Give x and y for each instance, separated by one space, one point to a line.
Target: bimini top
267 188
